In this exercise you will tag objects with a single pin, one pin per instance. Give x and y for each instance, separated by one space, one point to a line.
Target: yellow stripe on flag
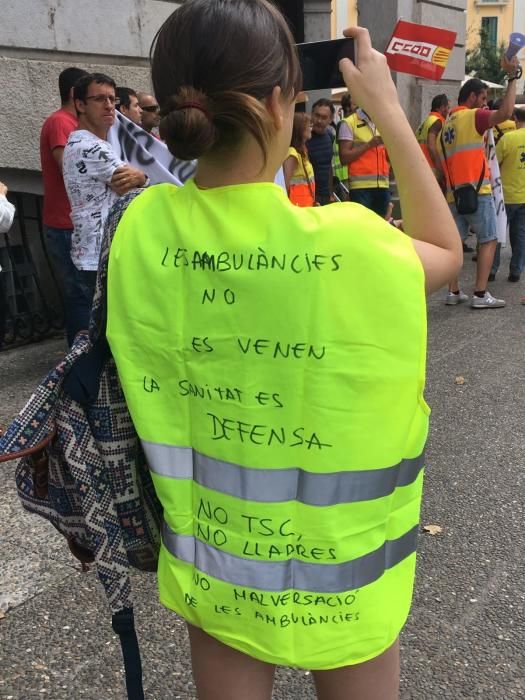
441 56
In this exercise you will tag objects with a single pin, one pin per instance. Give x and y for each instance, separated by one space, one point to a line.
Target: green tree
483 61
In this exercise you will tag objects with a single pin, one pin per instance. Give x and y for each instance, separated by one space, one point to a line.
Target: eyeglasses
151 108
101 99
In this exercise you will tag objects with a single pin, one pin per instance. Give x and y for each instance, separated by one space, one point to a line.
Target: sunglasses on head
151 108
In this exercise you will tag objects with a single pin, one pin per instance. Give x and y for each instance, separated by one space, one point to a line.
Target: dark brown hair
225 56
81 88
300 121
474 85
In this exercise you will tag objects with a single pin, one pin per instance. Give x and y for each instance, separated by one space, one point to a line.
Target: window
489 26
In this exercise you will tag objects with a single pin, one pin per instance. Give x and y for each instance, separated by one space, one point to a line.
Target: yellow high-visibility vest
510 151
422 137
273 361
340 171
302 183
503 128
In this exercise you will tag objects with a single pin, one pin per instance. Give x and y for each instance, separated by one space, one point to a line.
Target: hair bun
187 124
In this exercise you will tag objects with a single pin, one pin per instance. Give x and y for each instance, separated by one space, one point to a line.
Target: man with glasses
320 150
150 112
94 177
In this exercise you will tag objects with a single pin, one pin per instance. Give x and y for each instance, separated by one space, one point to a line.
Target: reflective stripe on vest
371 169
284 432
283 575
340 171
422 136
280 485
364 181
465 152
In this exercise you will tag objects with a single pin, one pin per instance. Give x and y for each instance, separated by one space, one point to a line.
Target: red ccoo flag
420 50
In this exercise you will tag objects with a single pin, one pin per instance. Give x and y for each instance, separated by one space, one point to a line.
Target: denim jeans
516 221
483 222
87 282
375 198
77 295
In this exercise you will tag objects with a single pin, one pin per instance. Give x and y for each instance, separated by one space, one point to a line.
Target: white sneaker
486 302
453 299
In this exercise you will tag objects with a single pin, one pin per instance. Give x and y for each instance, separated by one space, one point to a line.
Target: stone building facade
39 38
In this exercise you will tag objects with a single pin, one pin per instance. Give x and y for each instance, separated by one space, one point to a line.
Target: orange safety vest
465 151
302 185
422 136
372 169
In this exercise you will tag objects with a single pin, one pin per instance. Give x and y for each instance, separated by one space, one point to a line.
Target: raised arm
426 216
509 98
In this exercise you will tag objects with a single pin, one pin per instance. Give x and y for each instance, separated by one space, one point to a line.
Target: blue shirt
320 151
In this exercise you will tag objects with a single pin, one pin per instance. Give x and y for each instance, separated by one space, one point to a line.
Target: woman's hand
436 237
369 80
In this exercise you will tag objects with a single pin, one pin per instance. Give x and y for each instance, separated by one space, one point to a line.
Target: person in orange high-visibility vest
361 149
427 134
298 171
462 151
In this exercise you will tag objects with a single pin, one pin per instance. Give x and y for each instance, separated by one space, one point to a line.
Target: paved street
466 635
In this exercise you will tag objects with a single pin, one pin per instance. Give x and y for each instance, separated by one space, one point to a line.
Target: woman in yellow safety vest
273 361
298 171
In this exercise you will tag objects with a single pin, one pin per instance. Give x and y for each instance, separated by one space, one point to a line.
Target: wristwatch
517 74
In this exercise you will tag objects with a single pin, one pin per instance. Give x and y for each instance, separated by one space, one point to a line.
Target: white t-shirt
345 132
89 164
7 212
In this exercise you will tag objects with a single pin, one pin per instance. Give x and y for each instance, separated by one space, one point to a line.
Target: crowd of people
329 159
83 177
304 451
347 160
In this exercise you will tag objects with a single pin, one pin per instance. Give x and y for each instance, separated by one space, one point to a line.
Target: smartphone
320 63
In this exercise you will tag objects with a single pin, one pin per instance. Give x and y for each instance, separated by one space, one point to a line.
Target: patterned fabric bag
83 469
